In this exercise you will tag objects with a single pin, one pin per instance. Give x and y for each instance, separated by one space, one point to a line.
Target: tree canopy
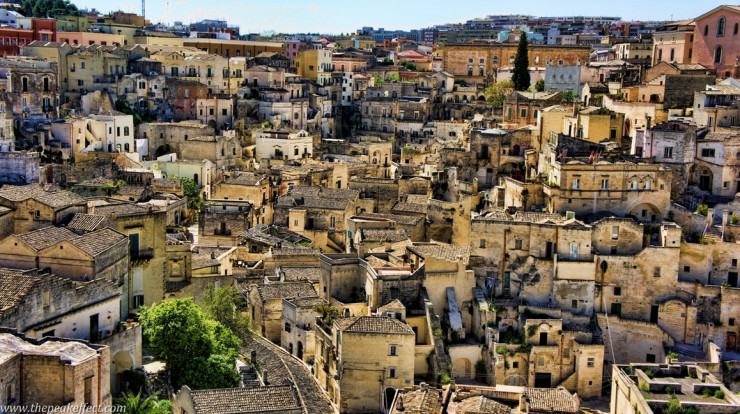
137 404
520 76
223 305
47 8
199 352
496 93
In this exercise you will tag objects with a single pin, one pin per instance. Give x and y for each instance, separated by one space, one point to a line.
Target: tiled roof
284 369
277 398
120 209
384 235
552 400
284 290
45 237
55 199
424 400
309 273
410 208
98 241
244 178
14 286
92 243
85 222
520 216
481 405
306 302
442 251
295 251
374 325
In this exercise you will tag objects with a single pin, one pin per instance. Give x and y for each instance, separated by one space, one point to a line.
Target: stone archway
646 213
121 362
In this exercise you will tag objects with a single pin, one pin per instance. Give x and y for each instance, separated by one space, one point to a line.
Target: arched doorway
462 368
162 150
120 363
389 395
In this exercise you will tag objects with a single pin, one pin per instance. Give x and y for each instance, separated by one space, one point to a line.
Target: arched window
721 26
718 54
125 131
706 30
734 30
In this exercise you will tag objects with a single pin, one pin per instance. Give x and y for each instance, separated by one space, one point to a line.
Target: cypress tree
520 76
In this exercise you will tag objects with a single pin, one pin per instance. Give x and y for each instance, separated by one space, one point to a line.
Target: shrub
719 394
501 349
702 209
445 379
707 392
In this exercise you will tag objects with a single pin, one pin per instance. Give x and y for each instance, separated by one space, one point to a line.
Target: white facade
283 145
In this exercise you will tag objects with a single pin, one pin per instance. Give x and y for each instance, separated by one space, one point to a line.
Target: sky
346 16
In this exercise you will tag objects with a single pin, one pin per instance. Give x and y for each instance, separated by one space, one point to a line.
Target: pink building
717 40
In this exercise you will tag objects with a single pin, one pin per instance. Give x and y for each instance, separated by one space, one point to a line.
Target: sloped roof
374 325
276 398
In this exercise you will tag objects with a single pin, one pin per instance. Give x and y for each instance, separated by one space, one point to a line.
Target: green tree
136 404
520 76
327 312
539 86
568 96
193 346
192 192
223 305
496 93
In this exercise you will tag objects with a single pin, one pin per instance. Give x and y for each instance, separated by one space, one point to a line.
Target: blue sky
342 16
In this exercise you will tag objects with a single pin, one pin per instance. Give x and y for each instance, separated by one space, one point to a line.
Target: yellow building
314 64
362 361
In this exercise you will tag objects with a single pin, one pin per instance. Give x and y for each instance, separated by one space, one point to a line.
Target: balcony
141 255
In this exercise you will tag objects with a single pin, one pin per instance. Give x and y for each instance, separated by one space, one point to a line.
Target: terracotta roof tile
277 398
374 325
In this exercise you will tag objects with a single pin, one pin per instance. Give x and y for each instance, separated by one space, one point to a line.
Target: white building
283 145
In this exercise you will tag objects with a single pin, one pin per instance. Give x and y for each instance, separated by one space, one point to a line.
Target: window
673 54
731 322
616 309
656 271
574 250
718 55
707 152
648 185
518 244
706 30
615 232
650 358
515 364
576 183
590 362
392 350
721 26
668 152
687 269
523 113
734 263
574 304
482 243
617 291
138 301
391 373
604 183
634 184
287 327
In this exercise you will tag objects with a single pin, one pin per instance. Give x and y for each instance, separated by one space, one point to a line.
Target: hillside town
512 214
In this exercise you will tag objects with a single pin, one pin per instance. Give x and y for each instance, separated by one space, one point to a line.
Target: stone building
523 108
19 168
672 144
648 388
317 213
715 40
29 86
265 304
31 372
478 62
283 145
35 207
298 336
362 361
580 179
223 221
715 170
166 138
145 227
